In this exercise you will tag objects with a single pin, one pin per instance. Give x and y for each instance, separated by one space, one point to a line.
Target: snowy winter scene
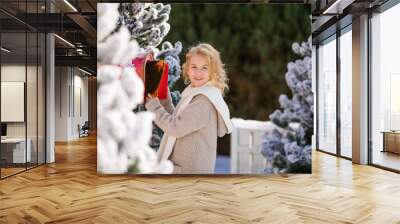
204 89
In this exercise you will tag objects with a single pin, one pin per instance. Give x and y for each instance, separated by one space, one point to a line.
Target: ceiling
74 22
328 16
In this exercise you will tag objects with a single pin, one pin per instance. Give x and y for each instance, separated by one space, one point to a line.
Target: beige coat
196 130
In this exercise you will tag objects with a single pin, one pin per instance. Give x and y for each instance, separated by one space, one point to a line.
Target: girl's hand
151 96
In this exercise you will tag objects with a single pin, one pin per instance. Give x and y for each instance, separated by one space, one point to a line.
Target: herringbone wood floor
70 191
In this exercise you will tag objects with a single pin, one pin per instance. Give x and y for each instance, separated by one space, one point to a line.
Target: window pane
327 96
14 153
386 88
41 99
345 94
31 97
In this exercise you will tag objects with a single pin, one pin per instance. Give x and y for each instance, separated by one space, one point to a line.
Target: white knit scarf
214 95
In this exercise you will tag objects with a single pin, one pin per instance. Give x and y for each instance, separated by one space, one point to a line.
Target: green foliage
255 42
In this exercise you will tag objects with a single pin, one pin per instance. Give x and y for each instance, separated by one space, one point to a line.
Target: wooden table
391 141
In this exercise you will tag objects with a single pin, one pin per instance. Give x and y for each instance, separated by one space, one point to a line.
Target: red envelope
154 74
156 78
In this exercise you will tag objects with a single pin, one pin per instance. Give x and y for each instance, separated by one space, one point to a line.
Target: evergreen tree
148 24
289 150
123 136
255 44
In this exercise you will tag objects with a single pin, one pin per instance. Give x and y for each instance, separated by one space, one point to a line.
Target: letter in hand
154 72
152 95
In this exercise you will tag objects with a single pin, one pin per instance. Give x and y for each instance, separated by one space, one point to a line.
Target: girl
191 129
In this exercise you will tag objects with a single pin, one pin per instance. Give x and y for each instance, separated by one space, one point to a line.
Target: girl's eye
204 68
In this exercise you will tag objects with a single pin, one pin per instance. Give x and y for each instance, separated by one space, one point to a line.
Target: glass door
385 89
327 95
14 154
22 77
346 92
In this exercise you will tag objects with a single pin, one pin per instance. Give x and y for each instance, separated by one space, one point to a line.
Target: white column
314 89
50 110
50 92
360 90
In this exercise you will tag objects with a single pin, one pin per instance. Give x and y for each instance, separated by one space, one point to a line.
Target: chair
84 130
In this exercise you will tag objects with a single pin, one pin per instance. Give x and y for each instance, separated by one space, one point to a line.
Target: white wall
71 94
12 101
16 73
80 110
61 103
12 73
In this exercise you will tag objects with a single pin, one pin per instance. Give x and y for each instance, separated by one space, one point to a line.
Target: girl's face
199 70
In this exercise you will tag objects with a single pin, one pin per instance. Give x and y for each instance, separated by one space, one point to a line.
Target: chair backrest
86 125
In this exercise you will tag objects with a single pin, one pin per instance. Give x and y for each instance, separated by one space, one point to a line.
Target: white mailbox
246 138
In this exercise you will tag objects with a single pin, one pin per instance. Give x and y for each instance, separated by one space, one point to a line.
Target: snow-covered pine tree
289 150
123 136
146 22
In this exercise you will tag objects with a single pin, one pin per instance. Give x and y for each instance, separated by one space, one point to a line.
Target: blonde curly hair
218 76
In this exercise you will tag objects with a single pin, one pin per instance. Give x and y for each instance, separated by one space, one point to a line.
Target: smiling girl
191 129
